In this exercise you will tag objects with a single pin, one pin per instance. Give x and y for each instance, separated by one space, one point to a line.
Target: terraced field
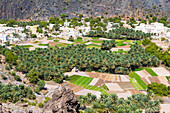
137 81
151 72
84 82
135 84
74 77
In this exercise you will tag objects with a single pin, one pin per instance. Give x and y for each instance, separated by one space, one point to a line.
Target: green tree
7 43
33 76
10 57
33 36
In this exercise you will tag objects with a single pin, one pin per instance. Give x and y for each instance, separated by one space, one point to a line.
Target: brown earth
125 85
146 82
154 80
73 87
126 46
134 91
53 43
99 82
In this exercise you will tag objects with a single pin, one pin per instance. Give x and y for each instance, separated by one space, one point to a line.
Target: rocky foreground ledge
63 101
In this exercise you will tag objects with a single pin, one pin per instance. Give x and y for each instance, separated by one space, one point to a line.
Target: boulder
63 101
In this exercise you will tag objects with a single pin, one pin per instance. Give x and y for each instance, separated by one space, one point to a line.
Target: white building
51 26
3 37
157 28
33 29
67 24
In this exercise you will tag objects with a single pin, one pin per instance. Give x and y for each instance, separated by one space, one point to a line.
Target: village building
158 28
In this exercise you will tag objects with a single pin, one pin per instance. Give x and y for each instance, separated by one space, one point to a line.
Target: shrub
71 39
3 77
32 103
40 105
46 99
17 78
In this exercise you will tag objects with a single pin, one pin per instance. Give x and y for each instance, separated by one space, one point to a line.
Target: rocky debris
43 9
3 109
63 101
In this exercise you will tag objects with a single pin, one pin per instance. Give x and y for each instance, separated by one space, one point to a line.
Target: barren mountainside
43 9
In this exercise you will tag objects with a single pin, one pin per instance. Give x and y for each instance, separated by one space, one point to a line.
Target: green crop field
138 79
43 44
93 45
104 87
74 77
27 46
129 41
90 87
50 38
134 75
84 42
84 82
139 69
119 40
121 44
62 45
151 72
56 40
95 37
134 82
95 41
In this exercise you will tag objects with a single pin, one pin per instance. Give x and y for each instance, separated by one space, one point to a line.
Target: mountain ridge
43 9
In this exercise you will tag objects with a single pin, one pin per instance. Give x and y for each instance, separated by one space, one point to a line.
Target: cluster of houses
158 28
7 33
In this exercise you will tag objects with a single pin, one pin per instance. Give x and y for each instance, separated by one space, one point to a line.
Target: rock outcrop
3 109
63 101
43 9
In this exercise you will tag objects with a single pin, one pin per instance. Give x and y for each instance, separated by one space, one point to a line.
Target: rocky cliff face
63 101
43 9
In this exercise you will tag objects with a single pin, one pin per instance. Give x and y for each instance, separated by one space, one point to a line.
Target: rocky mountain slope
43 9
63 101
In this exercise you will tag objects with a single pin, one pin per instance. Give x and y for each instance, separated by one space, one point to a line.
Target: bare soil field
154 80
110 92
134 91
86 91
108 77
126 46
143 73
99 82
97 39
114 87
74 87
144 80
53 43
125 85
162 78
161 71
